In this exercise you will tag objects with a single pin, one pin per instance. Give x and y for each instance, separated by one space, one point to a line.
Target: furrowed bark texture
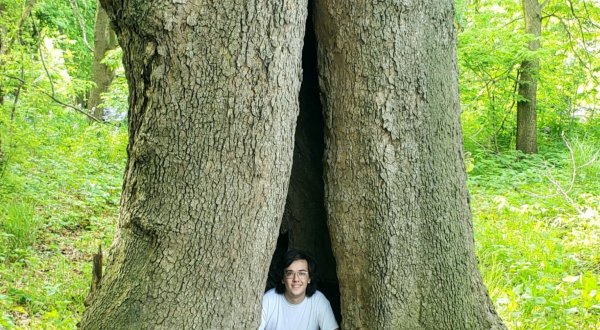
395 188
102 75
213 105
527 103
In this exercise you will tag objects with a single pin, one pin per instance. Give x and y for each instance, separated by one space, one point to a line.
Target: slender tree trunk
102 75
2 51
6 45
527 103
395 188
27 8
213 105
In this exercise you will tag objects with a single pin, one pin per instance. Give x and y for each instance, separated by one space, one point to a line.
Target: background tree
528 76
493 47
11 36
102 74
2 46
67 32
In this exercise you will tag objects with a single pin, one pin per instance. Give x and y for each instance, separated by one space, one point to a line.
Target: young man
295 303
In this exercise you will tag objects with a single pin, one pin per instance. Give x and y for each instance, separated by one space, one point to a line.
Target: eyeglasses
289 274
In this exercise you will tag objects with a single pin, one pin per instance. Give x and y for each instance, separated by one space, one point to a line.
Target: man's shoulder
319 293
271 295
271 292
319 297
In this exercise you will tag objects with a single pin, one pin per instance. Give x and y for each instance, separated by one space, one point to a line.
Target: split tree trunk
213 105
527 103
213 94
395 189
102 75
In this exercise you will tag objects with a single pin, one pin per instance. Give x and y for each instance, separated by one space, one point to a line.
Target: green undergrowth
60 184
537 229
535 217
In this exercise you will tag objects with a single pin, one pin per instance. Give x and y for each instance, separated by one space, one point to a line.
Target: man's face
296 279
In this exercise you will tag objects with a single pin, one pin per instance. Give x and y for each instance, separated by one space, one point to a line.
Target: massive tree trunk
102 75
527 103
213 99
213 105
395 193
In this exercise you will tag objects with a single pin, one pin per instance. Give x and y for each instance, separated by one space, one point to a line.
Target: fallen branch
560 189
23 82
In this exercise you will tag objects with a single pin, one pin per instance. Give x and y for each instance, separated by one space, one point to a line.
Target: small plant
18 227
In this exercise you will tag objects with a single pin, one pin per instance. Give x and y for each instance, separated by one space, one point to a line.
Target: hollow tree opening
304 223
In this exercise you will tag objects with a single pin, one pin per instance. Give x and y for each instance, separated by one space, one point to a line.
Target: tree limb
44 62
56 99
576 54
81 19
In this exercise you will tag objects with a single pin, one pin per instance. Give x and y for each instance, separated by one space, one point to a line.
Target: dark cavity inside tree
304 223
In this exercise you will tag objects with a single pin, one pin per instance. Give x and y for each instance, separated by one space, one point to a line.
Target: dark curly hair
287 259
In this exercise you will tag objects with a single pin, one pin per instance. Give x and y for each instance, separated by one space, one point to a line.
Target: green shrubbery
537 226
59 195
535 218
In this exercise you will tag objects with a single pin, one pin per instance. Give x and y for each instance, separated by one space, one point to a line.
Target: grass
19 227
535 217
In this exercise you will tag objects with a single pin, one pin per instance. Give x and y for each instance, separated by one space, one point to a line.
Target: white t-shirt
312 313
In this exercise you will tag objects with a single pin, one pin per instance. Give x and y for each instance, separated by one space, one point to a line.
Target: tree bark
213 105
102 75
2 52
527 103
395 189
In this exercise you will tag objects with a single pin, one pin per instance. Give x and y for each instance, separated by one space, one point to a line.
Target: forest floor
536 221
